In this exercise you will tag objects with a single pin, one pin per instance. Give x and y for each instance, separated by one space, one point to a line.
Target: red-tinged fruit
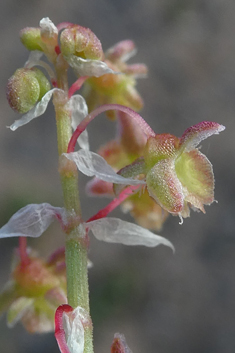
178 175
80 41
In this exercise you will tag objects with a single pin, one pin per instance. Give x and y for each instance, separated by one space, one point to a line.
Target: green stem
76 244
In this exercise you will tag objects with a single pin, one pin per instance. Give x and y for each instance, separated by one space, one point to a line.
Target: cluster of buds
35 290
120 88
150 175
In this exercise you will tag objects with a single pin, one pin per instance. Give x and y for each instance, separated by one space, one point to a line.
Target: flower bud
119 344
31 38
33 293
82 42
25 88
119 89
121 51
48 31
35 279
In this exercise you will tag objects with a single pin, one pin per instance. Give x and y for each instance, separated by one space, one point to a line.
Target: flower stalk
83 125
75 246
114 203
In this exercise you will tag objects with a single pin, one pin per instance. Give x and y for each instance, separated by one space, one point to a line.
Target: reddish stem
77 85
24 259
59 329
83 125
114 203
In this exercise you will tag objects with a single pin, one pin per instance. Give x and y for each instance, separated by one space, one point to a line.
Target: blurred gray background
163 303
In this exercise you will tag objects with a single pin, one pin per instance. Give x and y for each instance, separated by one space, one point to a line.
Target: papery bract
31 220
34 219
38 110
79 111
88 67
48 29
91 164
114 230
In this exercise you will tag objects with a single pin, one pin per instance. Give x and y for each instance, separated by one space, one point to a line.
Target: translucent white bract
31 221
74 330
79 111
114 230
36 111
47 27
88 67
92 164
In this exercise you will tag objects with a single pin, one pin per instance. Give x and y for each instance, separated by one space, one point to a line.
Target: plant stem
76 244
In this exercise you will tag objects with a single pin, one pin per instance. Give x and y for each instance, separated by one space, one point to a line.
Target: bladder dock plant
151 175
